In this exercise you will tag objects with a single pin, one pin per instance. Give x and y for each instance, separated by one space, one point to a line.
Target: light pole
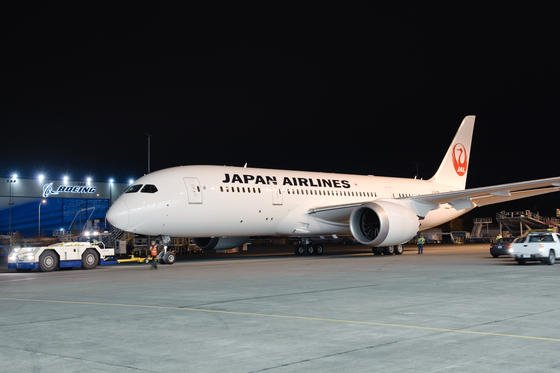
11 180
149 137
111 181
43 201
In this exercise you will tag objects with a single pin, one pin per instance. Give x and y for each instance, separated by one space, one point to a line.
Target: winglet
455 165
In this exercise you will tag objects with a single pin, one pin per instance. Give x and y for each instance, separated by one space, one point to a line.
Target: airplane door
276 196
194 193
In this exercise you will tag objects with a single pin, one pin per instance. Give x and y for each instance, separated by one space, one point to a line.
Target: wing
483 196
461 199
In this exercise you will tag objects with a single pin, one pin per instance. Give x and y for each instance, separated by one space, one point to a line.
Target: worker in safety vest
499 238
154 255
420 243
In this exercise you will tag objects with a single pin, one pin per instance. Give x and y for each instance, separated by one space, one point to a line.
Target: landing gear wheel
48 261
389 250
399 250
310 250
319 250
169 258
90 259
300 250
376 250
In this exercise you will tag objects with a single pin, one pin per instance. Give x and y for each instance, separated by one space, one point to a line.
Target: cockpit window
133 188
149 188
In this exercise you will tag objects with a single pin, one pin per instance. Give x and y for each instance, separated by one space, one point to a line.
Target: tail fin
453 169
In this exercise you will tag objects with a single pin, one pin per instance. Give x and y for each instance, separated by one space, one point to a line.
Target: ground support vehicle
86 255
164 257
536 246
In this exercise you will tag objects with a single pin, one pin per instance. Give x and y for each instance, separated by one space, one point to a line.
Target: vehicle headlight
12 256
22 253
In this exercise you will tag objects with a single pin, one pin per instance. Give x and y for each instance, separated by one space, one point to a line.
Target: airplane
223 207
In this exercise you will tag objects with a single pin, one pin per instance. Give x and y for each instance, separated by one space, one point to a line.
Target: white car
536 246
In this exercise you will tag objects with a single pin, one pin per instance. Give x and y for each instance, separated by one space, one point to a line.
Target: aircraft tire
399 250
310 250
169 258
319 250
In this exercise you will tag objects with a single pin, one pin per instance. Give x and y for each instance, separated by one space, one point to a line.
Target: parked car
540 246
502 247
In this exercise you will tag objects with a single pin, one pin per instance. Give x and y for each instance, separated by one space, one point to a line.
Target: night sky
351 89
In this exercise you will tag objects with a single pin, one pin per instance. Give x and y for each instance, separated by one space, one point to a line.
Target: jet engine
219 243
383 223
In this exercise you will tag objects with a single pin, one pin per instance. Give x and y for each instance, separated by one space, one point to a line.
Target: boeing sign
49 190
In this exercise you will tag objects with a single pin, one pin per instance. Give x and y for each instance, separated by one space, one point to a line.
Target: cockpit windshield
149 188
133 188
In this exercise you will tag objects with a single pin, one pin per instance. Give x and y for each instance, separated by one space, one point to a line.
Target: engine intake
383 223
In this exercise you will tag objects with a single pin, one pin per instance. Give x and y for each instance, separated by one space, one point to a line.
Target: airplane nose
118 215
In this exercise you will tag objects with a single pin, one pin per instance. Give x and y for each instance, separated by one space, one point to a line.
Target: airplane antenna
245 165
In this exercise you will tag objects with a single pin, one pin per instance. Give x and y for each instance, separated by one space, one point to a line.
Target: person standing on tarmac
499 238
154 255
420 243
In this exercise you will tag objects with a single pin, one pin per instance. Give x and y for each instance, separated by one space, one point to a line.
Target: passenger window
133 188
149 188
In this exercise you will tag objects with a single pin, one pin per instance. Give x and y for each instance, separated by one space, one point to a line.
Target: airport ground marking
289 317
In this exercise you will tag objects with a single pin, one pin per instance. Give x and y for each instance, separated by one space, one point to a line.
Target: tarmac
452 309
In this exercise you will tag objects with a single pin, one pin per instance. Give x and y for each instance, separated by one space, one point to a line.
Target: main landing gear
388 250
306 247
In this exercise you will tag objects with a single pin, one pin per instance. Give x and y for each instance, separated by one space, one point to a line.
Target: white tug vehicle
86 255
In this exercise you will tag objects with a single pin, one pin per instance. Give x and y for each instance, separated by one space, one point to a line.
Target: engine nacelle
219 243
383 223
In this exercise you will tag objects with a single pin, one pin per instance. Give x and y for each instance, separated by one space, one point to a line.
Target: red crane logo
459 155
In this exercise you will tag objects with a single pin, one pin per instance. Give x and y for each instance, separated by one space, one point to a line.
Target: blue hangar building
42 207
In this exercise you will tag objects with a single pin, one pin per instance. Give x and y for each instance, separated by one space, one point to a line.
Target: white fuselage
201 201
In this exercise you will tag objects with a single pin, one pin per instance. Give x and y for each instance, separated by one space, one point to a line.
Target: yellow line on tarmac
290 317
